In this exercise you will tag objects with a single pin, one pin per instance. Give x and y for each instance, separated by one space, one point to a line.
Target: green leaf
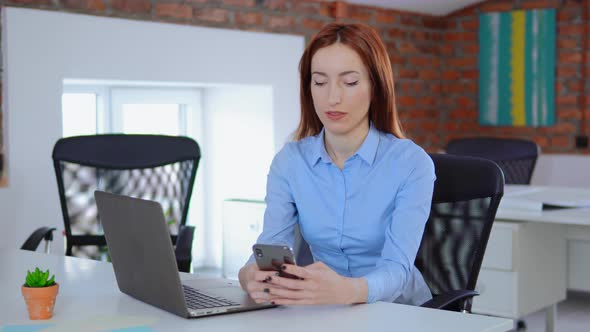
39 278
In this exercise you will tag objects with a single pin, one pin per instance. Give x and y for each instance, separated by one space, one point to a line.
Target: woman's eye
352 83
319 83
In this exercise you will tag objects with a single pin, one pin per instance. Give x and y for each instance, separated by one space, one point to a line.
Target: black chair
466 195
154 167
40 234
516 157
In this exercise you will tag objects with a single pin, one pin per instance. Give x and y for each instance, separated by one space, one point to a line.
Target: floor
573 315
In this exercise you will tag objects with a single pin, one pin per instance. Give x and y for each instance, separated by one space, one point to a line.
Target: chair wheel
520 325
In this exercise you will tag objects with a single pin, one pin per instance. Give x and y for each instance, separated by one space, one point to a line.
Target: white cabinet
524 269
578 250
242 223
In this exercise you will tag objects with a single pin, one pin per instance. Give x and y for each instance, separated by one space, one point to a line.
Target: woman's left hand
318 285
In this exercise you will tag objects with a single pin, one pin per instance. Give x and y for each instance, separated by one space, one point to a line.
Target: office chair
466 195
40 234
154 167
516 157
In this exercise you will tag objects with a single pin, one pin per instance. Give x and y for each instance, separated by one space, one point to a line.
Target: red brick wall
434 58
459 77
412 40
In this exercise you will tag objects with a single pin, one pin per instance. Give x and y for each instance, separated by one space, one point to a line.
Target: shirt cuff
375 288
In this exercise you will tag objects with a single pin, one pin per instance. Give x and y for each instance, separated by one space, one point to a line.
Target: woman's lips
333 115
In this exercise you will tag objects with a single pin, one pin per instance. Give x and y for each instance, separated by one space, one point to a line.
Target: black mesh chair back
466 195
516 157
154 167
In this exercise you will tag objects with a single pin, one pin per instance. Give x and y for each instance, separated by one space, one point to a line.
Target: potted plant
39 292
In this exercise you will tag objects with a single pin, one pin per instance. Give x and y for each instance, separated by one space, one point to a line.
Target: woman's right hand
255 282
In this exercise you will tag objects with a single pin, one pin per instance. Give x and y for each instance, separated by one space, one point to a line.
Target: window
79 113
233 125
101 109
89 109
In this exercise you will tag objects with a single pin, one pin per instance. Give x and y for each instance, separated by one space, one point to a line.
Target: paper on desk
516 203
518 190
112 323
512 203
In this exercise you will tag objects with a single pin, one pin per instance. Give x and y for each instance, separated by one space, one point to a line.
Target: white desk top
566 216
89 300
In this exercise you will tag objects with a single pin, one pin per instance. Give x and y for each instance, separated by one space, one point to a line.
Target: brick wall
459 77
434 58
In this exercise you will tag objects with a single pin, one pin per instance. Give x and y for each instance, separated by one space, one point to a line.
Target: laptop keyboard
198 300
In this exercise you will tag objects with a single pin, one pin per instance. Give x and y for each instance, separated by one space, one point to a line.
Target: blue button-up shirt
365 220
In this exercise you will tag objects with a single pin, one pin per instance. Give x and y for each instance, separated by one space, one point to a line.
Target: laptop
139 244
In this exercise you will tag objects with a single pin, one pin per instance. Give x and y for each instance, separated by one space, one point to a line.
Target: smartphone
270 257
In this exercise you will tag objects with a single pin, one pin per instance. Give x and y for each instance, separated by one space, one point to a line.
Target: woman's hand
318 285
256 282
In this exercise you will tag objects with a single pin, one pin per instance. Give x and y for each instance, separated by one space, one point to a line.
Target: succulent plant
39 278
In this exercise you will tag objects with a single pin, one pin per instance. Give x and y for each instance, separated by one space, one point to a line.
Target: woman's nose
335 95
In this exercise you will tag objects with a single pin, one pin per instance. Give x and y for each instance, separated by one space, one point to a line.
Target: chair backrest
466 195
516 157
154 167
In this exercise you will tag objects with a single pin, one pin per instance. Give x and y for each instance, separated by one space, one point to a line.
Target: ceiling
432 7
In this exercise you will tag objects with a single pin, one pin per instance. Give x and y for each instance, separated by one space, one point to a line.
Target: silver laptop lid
141 251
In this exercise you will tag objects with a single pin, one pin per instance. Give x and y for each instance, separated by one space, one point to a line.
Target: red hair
366 43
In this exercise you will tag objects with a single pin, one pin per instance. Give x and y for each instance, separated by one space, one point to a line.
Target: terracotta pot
40 301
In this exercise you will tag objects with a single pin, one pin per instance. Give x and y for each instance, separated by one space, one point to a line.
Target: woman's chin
336 128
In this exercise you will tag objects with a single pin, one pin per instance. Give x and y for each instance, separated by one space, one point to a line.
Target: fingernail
284 267
266 290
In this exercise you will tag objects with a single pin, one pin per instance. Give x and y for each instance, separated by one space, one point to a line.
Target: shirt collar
318 150
367 151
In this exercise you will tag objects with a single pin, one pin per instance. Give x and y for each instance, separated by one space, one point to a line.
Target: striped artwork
517 68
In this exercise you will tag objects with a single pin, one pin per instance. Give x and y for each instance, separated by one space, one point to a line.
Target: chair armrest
32 242
443 301
184 246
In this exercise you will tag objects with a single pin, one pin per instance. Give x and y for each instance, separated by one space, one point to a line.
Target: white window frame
109 101
186 98
102 99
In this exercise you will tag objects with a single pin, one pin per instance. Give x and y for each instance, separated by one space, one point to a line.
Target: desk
88 290
570 216
525 268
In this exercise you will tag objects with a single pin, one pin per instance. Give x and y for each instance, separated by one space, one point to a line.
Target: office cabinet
242 223
578 249
524 269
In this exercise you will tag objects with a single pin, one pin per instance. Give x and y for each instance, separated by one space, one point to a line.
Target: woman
359 191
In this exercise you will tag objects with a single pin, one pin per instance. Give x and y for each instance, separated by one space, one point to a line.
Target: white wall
43 48
236 165
562 170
